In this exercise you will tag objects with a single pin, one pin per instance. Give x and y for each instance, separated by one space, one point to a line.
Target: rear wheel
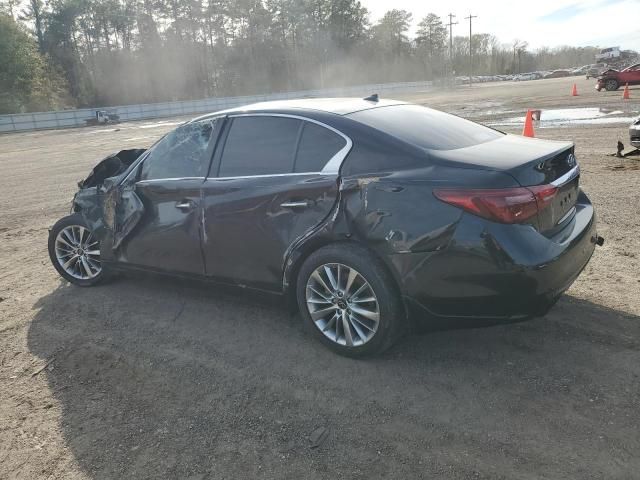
611 85
75 252
349 300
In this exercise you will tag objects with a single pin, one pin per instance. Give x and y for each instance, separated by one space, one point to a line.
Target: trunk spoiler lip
475 156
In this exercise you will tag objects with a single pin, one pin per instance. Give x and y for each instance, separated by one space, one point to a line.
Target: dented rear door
252 222
276 179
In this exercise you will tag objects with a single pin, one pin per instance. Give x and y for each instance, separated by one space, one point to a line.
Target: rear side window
318 145
260 146
426 128
184 152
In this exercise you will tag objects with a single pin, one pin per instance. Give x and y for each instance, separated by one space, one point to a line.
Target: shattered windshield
183 152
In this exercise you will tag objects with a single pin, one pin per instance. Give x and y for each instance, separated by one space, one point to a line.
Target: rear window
426 128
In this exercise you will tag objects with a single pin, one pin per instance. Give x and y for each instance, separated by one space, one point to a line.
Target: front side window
185 152
317 146
260 145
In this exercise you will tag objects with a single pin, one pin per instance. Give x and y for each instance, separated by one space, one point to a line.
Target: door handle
185 205
301 204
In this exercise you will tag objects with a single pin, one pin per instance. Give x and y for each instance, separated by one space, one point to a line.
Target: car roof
338 106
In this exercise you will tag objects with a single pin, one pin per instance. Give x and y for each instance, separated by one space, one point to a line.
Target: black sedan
366 211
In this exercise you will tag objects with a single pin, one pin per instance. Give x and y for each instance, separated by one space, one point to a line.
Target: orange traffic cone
626 95
574 91
527 131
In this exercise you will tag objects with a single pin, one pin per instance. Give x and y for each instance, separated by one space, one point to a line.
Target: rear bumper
499 271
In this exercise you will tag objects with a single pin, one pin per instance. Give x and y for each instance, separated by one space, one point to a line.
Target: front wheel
75 252
611 85
349 300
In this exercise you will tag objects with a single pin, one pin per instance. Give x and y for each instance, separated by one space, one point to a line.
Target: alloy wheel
342 304
78 252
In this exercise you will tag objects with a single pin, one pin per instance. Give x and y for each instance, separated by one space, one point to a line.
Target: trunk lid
531 162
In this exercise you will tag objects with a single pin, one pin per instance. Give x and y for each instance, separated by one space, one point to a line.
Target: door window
185 152
260 145
317 146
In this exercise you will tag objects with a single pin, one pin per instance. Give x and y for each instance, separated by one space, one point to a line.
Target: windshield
425 127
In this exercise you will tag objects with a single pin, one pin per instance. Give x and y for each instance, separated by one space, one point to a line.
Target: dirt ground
153 378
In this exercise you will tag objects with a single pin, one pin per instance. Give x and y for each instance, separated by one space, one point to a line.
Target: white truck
102 117
608 53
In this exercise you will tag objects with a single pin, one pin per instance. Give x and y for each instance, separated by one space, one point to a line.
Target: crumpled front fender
110 209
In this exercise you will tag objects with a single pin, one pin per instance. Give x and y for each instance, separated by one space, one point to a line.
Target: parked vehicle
580 70
596 70
634 133
103 117
525 76
613 79
558 74
367 212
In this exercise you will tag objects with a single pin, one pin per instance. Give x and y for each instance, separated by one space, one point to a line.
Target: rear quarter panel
396 215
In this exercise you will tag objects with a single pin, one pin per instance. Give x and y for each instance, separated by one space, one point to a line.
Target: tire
84 270
611 85
371 280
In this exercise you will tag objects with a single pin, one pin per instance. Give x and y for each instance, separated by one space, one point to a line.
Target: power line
470 18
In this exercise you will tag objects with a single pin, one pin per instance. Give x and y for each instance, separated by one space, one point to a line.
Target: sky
604 23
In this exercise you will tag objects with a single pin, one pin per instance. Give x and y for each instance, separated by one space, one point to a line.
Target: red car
613 79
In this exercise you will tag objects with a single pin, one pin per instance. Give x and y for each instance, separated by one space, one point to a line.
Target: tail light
505 205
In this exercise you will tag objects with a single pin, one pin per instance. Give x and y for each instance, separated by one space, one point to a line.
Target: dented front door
167 234
156 215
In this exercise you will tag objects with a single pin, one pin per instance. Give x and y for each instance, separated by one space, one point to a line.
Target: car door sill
123 267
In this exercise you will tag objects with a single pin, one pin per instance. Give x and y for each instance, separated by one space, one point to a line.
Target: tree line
75 53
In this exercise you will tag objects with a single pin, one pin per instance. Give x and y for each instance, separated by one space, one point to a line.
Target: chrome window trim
171 179
331 167
267 175
567 177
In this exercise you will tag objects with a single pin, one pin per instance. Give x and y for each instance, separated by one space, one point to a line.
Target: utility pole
470 18
451 24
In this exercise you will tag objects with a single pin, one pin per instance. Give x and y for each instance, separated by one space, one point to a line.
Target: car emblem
571 160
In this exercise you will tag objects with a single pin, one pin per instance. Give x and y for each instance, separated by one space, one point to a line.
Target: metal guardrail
76 118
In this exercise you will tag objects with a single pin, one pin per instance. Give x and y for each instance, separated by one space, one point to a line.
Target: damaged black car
367 212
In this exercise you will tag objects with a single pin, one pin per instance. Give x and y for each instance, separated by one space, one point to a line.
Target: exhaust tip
598 240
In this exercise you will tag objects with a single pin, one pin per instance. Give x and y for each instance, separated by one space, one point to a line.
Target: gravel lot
153 378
